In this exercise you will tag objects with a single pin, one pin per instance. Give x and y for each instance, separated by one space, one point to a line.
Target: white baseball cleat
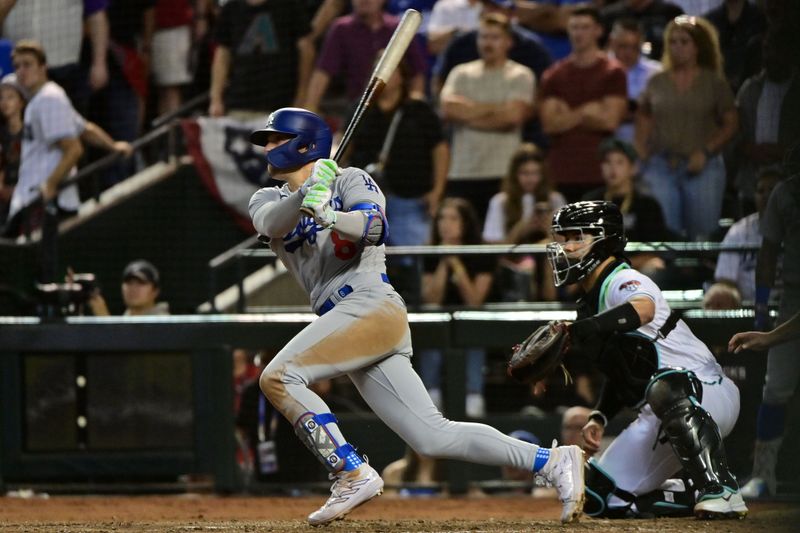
727 504
347 493
756 489
564 471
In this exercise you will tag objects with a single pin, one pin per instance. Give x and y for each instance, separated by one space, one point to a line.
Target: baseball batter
652 363
362 331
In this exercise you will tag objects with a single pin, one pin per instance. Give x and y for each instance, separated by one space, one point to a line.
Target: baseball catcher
652 363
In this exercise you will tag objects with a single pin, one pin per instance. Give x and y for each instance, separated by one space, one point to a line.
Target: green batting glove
317 200
324 172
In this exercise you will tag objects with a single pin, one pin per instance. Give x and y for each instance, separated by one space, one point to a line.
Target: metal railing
163 126
244 251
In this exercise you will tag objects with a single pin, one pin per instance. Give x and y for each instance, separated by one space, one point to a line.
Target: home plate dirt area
200 513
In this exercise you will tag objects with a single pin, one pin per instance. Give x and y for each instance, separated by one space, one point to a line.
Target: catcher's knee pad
675 394
600 487
311 429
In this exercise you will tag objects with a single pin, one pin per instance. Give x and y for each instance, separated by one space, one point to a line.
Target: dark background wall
175 224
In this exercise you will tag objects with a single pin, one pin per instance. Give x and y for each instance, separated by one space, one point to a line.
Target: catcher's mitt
540 354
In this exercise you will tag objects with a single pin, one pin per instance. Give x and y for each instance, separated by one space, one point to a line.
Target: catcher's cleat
348 492
724 505
564 471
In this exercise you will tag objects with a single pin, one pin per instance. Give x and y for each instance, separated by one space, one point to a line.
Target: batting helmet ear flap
311 138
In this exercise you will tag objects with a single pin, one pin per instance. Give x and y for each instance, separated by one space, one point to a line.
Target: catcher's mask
598 224
311 137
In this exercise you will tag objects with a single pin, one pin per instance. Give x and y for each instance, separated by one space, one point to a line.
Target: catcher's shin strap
339 295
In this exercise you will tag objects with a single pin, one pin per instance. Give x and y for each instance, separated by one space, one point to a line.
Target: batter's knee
271 382
432 439
427 447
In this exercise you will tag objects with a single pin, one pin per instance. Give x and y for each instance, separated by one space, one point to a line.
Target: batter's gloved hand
317 200
324 172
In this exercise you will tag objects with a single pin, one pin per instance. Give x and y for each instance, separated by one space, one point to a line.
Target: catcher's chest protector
628 361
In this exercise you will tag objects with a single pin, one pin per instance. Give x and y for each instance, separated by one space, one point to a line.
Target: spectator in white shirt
735 275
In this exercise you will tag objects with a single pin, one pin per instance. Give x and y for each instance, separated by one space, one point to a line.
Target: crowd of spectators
705 100
684 113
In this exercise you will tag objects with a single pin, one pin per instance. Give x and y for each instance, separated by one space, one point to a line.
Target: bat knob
307 211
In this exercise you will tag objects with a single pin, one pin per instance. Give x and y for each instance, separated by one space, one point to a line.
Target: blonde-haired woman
686 116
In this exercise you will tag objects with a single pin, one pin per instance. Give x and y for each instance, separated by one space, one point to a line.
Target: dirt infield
192 513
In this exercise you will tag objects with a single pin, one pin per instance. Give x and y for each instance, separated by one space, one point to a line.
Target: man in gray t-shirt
334 248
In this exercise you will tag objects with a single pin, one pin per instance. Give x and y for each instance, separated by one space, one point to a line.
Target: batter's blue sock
769 425
542 456
351 458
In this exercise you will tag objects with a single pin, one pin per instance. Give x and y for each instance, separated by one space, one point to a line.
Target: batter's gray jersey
319 258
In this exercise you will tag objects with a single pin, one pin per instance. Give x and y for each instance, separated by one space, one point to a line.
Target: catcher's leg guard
336 457
675 394
600 487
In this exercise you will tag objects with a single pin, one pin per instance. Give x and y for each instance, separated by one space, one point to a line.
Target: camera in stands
57 300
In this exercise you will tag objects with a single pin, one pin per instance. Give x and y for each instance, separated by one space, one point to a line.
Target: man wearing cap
641 213
141 285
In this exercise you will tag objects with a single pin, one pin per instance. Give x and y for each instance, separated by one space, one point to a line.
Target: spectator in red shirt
350 48
583 100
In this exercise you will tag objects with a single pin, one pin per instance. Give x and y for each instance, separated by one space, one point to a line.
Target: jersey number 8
342 248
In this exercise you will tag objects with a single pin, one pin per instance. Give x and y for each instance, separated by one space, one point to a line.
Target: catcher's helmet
312 137
603 221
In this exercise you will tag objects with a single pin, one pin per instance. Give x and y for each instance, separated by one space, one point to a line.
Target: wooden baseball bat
392 54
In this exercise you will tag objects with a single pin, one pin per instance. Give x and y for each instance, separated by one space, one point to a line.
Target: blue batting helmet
312 138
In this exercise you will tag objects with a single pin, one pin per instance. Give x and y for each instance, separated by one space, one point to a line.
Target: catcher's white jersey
680 348
637 460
